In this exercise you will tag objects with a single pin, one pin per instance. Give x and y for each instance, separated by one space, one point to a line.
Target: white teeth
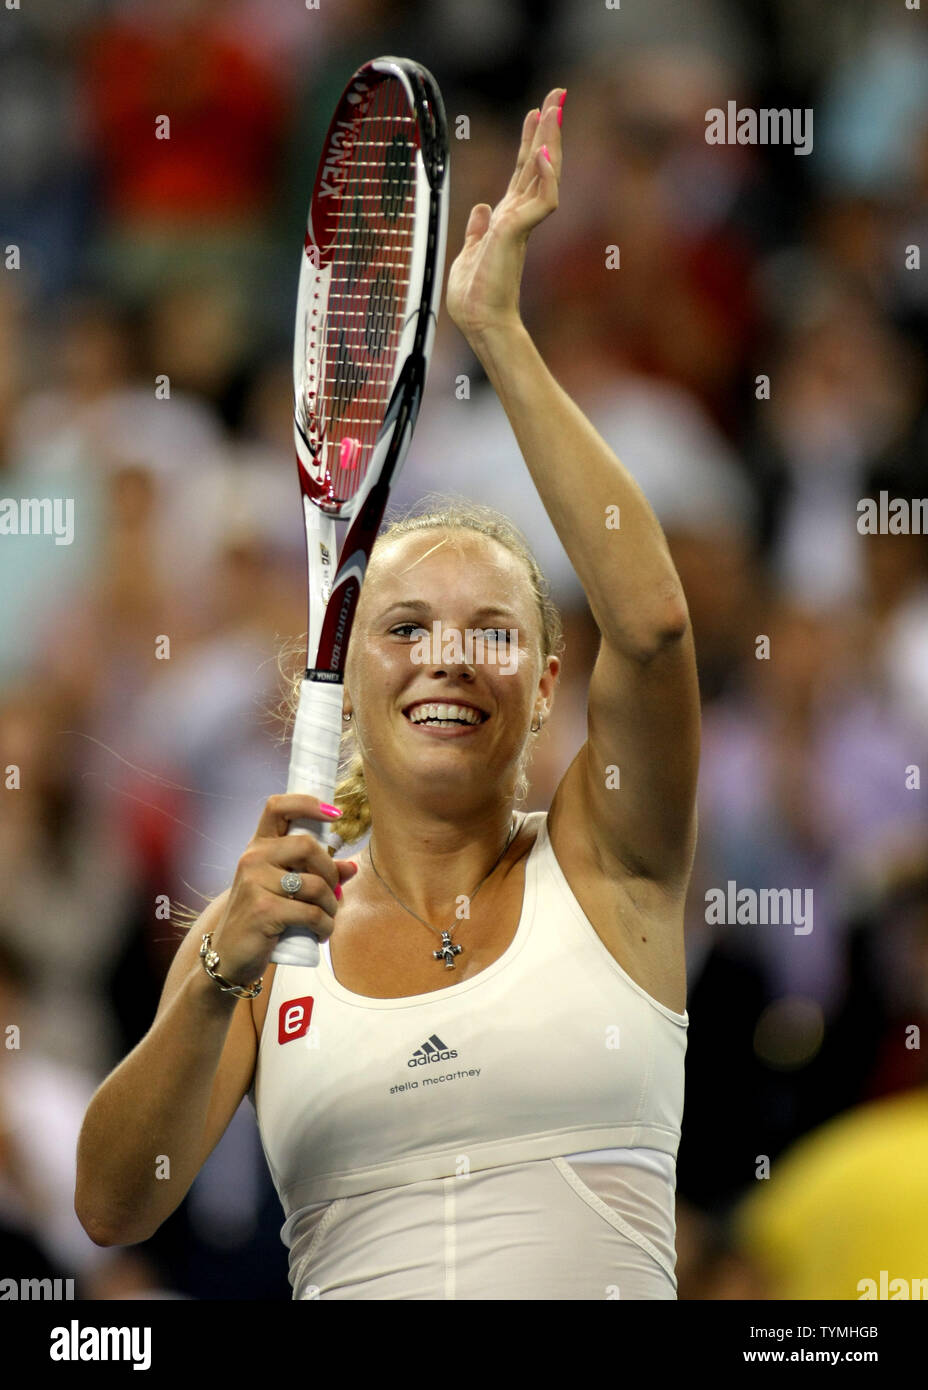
444 712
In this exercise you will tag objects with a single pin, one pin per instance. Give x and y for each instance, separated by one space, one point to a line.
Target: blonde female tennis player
478 1093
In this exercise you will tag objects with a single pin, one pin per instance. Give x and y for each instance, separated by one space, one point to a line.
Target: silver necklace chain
448 950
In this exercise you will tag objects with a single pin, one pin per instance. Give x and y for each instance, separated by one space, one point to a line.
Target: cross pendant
447 952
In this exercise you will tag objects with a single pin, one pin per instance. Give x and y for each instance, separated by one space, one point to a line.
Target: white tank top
551 1072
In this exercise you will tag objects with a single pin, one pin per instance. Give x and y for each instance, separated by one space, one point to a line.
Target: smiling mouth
444 714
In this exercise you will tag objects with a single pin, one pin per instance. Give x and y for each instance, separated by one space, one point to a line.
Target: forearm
626 571
152 1108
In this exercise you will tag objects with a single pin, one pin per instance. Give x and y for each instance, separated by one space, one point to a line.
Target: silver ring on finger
291 884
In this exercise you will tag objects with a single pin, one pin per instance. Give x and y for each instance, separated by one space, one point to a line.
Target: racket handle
317 734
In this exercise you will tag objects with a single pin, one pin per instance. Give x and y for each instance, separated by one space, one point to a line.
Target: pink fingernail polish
537 117
329 810
338 890
544 150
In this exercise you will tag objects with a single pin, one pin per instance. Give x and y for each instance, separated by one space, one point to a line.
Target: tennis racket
368 297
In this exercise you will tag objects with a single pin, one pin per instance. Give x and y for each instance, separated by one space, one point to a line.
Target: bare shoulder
638 920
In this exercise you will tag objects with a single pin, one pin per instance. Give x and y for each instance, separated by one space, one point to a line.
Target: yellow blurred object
845 1211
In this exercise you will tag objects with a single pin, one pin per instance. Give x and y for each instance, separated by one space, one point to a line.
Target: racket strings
371 251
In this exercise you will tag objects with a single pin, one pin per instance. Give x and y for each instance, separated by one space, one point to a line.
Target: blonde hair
445 513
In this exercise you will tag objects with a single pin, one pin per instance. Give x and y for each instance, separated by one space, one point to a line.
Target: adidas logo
433 1050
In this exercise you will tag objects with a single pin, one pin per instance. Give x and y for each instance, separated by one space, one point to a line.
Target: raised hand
484 281
256 909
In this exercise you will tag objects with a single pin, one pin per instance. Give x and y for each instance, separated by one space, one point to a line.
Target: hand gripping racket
369 289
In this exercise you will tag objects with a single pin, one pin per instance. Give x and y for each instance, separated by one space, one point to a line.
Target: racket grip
314 751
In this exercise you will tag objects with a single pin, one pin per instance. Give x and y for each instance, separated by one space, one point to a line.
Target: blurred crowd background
142 777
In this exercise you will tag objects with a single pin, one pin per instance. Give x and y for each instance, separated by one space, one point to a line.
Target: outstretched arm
643 699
